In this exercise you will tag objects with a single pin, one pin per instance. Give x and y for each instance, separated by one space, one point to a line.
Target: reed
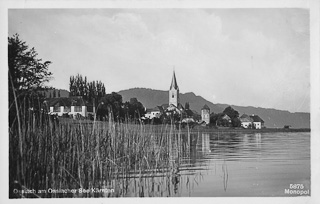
131 158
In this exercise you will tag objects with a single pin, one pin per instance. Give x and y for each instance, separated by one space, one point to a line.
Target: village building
205 114
246 121
257 123
226 118
71 106
252 121
152 113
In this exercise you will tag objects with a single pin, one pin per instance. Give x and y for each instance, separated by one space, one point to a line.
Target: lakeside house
246 121
252 121
258 123
72 106
152 113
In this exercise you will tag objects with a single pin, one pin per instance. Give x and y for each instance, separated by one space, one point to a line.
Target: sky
248 57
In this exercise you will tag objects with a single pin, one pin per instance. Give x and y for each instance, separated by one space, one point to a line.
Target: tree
236 122
91 91
54 93
59 94
187 106
231 112
110 102
215 119
26 72
134 108
27 77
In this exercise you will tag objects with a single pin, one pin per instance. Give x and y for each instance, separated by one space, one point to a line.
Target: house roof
189 112
205 107
256 118
165 106
226 117
153 109
180 106
174 83
161 109
187 120
245 118
65 101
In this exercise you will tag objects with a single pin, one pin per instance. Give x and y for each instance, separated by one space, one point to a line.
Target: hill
272 117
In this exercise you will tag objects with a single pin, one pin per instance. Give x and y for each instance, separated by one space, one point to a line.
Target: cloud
240 57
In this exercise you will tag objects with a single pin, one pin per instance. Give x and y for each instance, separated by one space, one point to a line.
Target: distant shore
213 129
204 129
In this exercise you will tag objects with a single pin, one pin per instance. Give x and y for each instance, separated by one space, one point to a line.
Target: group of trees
95 93
112 103
54 94
91 91
27 76
219 119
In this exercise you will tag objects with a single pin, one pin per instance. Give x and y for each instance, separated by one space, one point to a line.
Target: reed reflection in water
230 164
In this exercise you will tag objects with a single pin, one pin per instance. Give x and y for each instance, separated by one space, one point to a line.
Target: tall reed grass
130 158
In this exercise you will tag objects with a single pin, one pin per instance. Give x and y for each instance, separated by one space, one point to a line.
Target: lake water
235 164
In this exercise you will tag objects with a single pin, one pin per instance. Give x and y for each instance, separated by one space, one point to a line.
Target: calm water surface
234 164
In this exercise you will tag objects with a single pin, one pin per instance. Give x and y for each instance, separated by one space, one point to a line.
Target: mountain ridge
272 117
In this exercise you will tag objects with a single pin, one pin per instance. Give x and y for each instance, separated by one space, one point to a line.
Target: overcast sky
247 57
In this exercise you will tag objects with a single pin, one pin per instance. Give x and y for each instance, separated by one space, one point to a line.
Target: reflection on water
228 164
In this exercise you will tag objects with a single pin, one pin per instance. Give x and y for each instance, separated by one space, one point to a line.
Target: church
174 97
174 106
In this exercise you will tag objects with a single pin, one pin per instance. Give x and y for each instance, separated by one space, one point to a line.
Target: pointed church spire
174 83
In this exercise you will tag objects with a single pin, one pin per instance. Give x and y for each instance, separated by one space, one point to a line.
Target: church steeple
174 83
174 91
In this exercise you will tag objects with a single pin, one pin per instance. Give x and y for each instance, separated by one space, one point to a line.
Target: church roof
205 107
174 83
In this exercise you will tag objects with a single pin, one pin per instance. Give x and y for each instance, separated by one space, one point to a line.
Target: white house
71 106
152 113
257 123
253 121
246 121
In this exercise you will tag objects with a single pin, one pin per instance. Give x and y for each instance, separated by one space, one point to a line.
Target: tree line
95 93
28 75
27 78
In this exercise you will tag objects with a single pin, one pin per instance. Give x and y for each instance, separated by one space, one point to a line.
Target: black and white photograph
160 100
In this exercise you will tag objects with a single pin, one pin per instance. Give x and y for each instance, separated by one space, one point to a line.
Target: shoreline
205 129
263 130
